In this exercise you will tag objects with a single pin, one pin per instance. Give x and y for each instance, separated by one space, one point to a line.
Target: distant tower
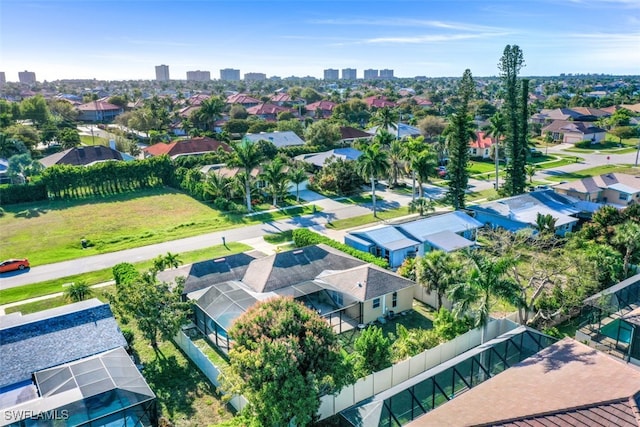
370 74
331 74
198 76
386 74
3 78
349 74
230 75
255 77
162 73
27 77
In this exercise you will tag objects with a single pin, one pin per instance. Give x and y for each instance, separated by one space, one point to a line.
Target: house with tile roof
379 101
567 383
83 155
267 111
70 363
283 99
481 146
617 189
571 132
98 111
345 291
187 147
321 109
520 212
243 99
396 242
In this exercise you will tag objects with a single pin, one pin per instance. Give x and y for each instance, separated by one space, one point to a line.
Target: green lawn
282 237
358 200
610 145
93 140
476 167
595 171
51 232
356 221
21 293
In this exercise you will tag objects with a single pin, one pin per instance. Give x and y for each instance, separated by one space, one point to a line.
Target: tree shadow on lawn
177 385
31 213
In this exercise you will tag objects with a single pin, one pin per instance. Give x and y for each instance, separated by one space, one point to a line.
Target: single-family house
611 188
98 111
396 242
345 291
348 135
68 366
321 109
279 139
422 102
481 146
243 99
283 99
187 147
379 101
268 112
319 159
571 132
401 131
520 212
83 155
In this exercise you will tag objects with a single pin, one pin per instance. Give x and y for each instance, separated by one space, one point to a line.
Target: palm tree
413 146
371 164
530 170
216 186
172 260
396 159
422 205
247 156
385 118
276 178
627 235
297 176
485 281
496 129
209 113
545 224
424 165
78 291
437 271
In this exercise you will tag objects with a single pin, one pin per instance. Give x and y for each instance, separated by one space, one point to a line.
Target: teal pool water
617 330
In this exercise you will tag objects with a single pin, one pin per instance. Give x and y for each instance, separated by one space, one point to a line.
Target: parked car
534 152
14 264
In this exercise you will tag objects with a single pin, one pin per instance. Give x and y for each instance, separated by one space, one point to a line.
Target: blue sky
119 40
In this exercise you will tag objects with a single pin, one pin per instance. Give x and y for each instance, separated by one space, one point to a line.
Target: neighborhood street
332 210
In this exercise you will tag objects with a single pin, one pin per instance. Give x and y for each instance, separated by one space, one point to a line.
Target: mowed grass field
51 232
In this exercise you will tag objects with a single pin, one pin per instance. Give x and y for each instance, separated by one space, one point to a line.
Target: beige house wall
404 302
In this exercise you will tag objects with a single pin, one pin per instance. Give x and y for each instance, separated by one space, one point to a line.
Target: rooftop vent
220 260
298 252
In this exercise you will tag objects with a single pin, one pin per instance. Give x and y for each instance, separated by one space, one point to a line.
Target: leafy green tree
35 109
28 135
69 138
237 111
447 326
627 237
438 271
459 133
284 358
10 147
339 176
510 64
310 95
322 134
625 132
487 280
422 205
156 307
22 166
78 291
372 164
373 351
247 157
297 175
292 125
409 342
432 126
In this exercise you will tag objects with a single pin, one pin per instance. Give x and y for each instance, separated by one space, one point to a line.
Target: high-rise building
386 74
198 76
162 73
3 78
27 77
370 74
229 74
254 77
331 74
349 74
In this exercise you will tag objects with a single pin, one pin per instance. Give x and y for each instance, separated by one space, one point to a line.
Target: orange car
14 264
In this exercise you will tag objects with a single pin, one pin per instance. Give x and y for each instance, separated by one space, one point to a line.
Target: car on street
14 264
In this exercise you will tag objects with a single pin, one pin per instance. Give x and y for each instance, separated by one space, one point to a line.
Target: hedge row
32 192
304 237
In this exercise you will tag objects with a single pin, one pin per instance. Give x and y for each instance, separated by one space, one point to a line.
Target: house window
376 303
625 196
394 299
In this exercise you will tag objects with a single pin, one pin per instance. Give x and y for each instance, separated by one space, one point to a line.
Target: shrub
304 237
124 273
128 335
14 194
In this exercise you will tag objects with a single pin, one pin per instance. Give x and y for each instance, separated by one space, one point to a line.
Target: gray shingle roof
34 342
365 282
204 274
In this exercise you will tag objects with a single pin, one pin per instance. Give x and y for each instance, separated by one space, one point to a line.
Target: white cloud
408 22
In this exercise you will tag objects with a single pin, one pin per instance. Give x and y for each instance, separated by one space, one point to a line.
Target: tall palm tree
209 113
412 146
627 235
496 129
422 205
396 160
385 118
276 178
437 271
297 176
424 165
530 170
486 281
246 156
371 164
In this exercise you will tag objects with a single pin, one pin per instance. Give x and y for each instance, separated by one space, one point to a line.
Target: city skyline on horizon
125 41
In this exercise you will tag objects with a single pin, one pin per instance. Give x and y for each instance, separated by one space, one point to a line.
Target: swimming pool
617 330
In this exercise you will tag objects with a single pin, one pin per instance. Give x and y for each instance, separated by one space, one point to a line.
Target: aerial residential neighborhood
403 233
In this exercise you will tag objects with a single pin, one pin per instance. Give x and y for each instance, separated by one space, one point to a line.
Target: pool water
617 330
